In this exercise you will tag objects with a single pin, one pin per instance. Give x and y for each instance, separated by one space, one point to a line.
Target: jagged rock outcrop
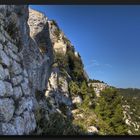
98 87
42 53
55 85
77 99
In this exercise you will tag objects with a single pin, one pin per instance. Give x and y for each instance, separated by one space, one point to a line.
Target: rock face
40 55
14 79
98 87
60 47
24 68
28 44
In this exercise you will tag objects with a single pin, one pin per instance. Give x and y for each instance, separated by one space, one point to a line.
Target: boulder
92 130
77 99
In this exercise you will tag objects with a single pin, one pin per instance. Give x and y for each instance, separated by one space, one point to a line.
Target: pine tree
109 110
83 88
117 121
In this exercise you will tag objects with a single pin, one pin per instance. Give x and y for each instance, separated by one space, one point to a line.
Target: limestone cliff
30 78
98 87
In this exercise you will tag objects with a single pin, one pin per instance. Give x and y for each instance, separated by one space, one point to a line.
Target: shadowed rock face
14 19
40 62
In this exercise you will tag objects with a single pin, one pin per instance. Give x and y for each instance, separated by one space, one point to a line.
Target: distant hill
129 92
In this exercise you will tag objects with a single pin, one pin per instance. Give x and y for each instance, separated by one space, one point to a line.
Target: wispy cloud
95 63
108 65
92 63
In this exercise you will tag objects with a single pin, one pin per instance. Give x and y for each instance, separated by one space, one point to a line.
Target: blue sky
106 36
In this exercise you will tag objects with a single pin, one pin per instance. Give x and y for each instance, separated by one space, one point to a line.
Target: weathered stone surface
12 47
14 37
4 59
2 89
26 80
13 55
25 73
6 74
1 47
9 89
7 129
6 109
77 99
2 74
19 125
2 38
29 122
25 88
17 92
36 21
60 47
16 68
53 80
17 22
39 67
24 103
17 80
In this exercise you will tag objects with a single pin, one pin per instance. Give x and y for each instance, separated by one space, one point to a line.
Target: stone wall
16 99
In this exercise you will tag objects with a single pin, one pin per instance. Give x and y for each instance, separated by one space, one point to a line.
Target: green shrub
75 67
74 88
57 33
59 125
61 60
